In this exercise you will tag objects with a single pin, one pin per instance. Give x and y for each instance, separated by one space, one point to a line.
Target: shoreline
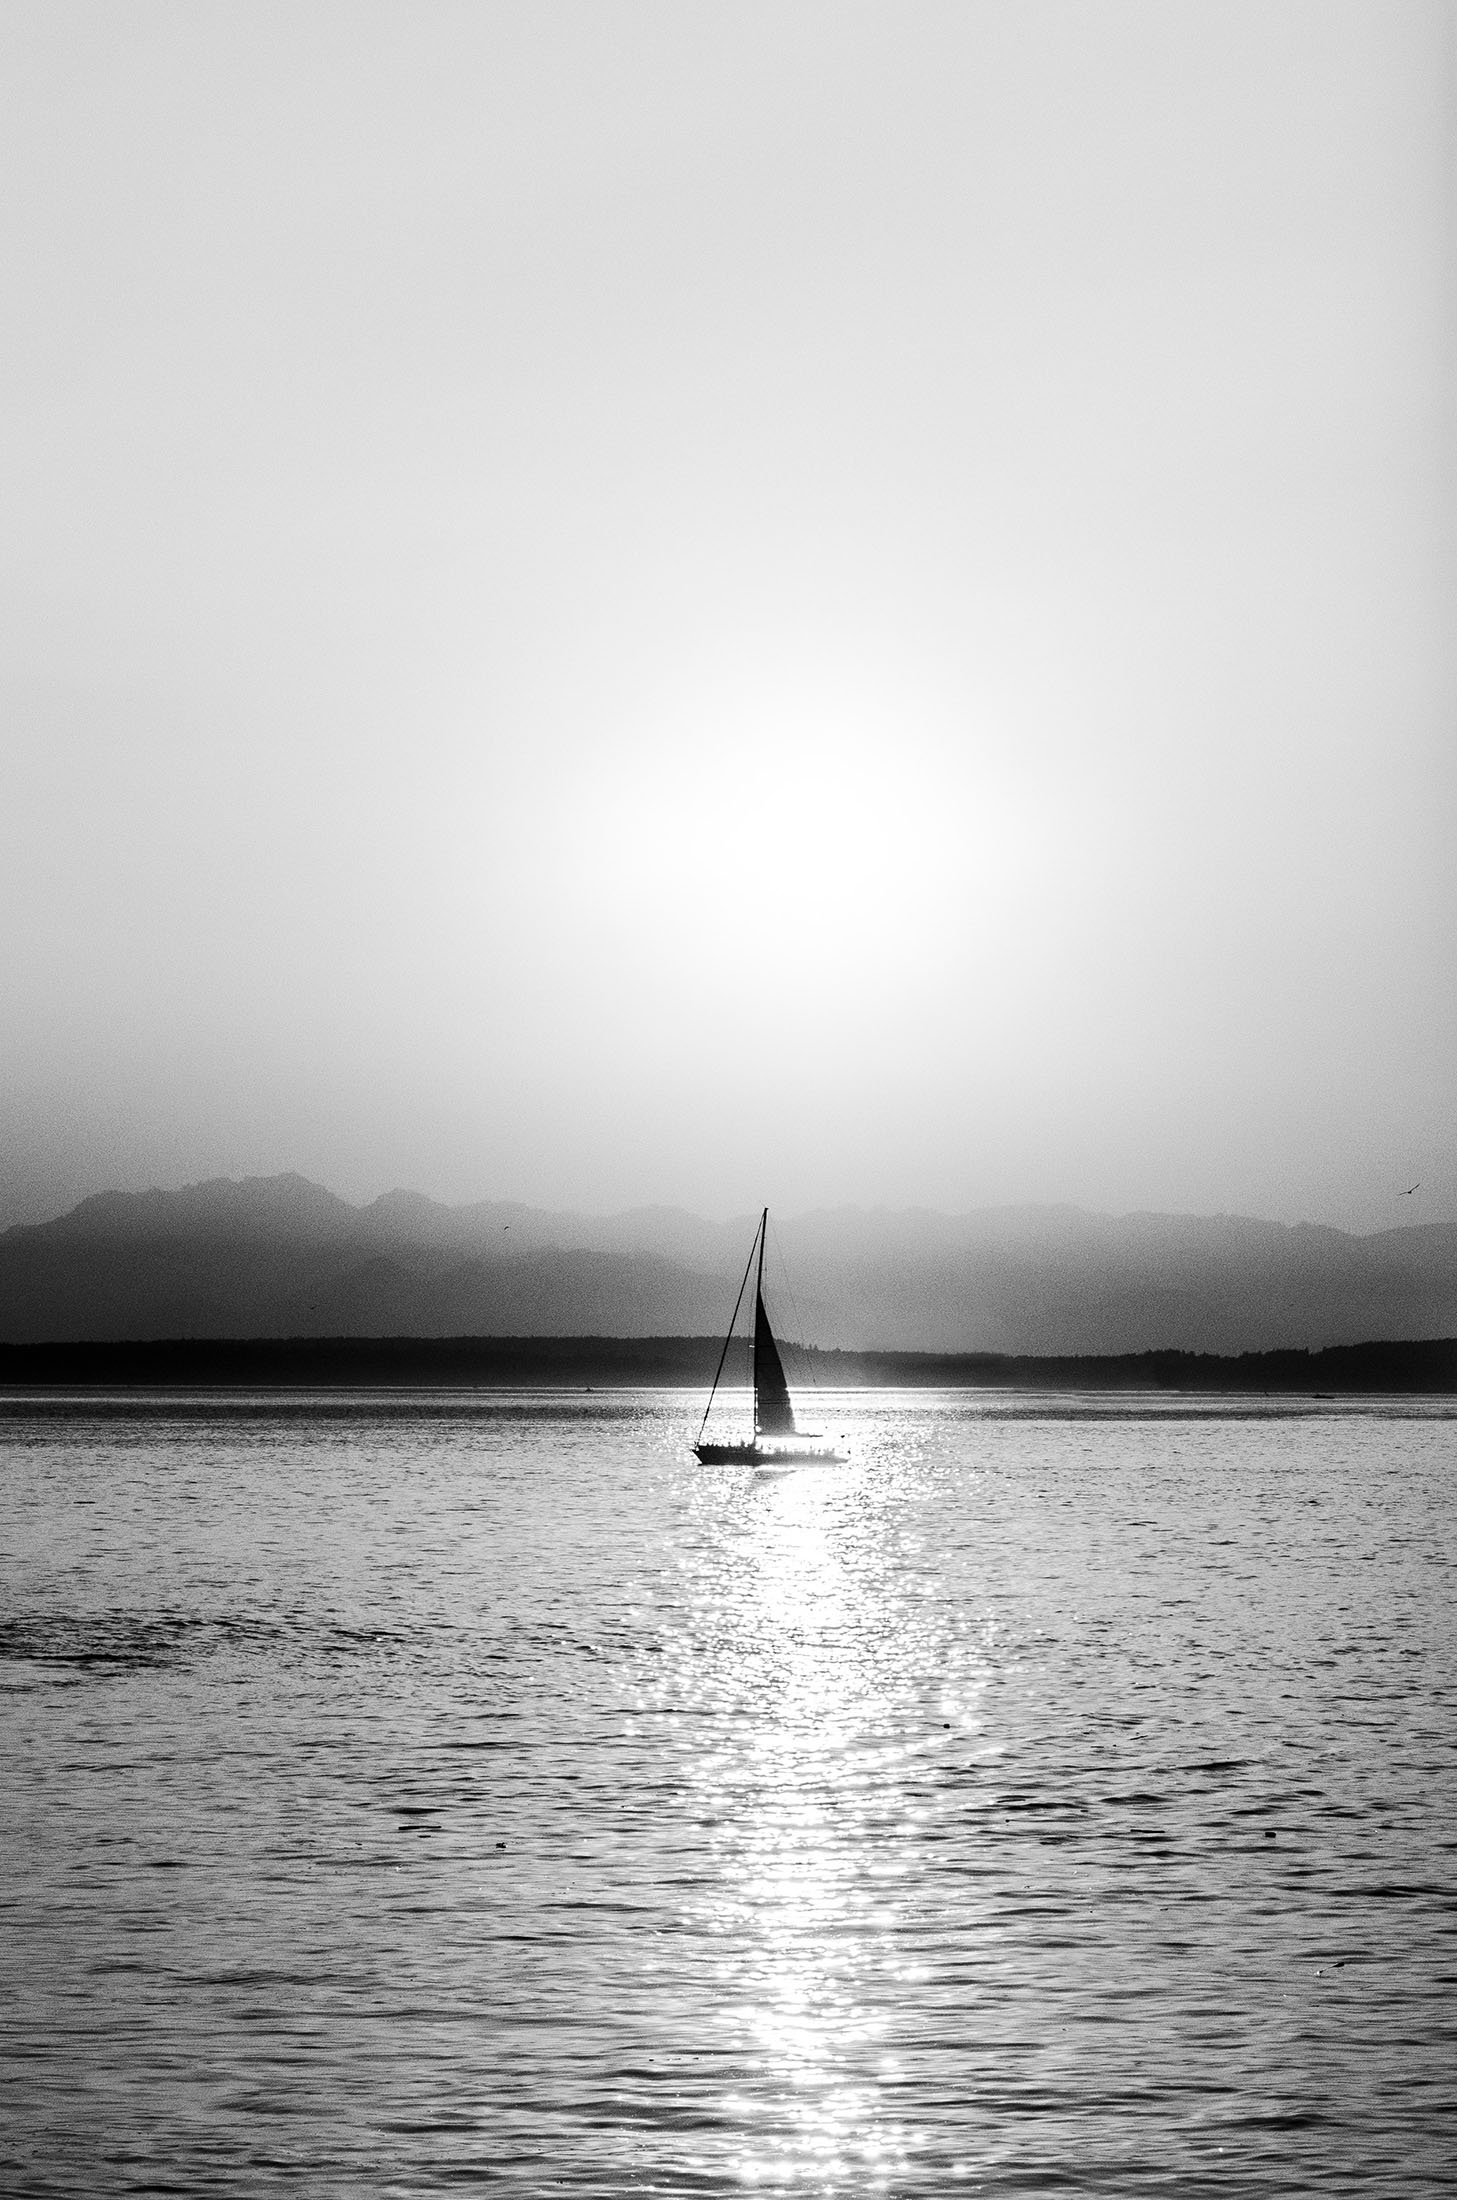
1383 1367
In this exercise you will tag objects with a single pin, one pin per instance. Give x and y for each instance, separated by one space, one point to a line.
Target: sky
640 601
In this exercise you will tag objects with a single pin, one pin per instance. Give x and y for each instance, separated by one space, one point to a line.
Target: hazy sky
620 602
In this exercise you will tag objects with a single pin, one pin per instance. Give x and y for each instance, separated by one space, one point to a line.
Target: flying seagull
1410 1189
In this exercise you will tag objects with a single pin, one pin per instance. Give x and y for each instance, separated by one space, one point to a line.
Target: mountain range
280 1256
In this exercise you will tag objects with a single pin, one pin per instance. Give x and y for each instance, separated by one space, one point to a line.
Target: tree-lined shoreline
1389 1366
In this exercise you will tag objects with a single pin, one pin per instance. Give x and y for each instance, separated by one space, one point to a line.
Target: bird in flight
1410 1189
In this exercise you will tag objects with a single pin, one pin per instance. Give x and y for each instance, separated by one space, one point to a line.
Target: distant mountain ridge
281 1256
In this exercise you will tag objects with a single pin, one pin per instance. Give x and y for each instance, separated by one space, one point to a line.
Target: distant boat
777 1441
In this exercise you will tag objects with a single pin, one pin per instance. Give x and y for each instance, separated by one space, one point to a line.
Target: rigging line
728 1340
804 1350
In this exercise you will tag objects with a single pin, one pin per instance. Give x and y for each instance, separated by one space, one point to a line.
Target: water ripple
413 1794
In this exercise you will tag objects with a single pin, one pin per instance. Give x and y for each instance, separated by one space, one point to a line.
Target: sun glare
793 858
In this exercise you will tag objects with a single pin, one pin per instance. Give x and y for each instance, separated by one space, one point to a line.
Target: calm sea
412 1793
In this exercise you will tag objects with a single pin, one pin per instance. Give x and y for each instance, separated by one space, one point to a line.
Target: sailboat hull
766 1457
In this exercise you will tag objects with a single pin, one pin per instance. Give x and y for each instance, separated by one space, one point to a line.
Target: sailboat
777 1441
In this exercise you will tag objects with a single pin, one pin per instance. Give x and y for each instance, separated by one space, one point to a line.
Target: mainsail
773 1413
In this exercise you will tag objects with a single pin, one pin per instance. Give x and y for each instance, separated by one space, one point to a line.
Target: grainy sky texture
620 602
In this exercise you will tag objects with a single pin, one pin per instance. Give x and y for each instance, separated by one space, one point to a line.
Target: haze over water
408 1793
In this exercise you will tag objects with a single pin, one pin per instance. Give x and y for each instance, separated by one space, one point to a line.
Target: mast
759 1313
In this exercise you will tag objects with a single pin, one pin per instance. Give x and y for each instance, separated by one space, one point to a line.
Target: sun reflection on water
810 1990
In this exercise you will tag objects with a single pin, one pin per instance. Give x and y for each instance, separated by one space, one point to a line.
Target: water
407 1794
